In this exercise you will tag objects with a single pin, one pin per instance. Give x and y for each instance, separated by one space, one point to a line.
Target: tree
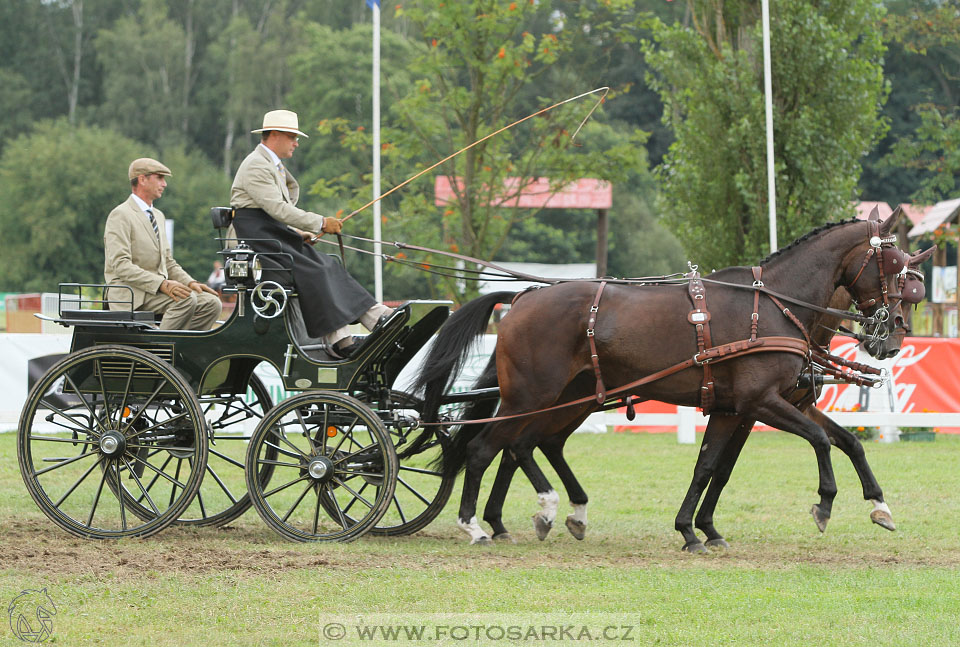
828 88
933 33
478 72
57 186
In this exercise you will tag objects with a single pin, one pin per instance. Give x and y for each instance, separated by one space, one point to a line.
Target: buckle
589 332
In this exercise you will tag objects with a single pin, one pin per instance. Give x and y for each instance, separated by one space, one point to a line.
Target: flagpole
768 106
377 259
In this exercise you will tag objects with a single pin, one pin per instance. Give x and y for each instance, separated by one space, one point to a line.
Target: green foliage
828 87
57 186
932 31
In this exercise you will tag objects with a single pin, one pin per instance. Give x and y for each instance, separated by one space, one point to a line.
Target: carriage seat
109 315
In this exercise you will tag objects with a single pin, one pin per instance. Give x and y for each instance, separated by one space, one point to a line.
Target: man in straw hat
264 196
137 254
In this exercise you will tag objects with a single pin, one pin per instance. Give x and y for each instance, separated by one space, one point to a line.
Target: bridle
890 260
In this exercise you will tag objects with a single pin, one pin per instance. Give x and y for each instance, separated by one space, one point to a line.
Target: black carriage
138 428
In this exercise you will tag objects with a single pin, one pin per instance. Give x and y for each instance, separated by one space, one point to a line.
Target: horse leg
493 511
481 452
777 412
547 497
719 430
850 445
576 522
721 475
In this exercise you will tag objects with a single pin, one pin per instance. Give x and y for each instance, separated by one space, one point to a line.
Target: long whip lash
604 89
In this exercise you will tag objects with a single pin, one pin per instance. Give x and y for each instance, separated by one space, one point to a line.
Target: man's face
152 186
283 144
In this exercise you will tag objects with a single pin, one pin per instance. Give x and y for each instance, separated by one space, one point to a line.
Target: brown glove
332 225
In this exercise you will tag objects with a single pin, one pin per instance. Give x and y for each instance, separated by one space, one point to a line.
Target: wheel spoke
64 462
146 495
96 499
286 440
297 502
285 486
333 497
159 473
79 427
349 489
76 483
120 497
223 486
83 401
413 491
55 439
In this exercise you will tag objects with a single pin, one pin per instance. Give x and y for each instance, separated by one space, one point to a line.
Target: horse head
872 276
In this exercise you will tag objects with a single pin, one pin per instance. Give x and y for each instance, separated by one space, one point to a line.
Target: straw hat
146 166
282 120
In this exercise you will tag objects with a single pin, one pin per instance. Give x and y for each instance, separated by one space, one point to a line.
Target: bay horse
536 370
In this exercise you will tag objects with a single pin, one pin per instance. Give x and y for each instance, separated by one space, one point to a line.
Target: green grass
782 582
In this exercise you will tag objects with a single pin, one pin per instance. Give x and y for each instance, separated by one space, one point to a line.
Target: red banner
926 376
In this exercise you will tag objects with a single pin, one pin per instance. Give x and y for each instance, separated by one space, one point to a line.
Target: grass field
781 583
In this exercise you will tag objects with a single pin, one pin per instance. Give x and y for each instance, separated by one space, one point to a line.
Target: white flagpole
377 260
768 101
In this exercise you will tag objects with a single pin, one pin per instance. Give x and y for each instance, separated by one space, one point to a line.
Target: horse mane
808 235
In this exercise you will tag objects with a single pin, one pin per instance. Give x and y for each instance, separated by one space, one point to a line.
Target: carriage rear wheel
105 427
326 447
423 488
232 419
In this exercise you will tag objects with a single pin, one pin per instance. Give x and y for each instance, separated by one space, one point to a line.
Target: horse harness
814 355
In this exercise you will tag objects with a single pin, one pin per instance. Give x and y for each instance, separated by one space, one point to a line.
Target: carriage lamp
242 265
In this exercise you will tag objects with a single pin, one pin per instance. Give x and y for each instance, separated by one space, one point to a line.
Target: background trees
90 84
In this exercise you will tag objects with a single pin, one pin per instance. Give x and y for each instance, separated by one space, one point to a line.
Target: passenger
137 254
264 196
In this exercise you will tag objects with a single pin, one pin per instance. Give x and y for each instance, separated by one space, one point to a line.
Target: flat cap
147 166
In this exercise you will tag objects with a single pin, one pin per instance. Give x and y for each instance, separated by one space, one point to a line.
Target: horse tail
454 457
447 355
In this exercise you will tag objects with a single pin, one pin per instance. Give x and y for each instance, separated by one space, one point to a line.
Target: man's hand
309 238
175 289
197 286
332 225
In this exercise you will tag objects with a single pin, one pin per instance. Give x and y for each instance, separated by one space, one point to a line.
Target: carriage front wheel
106 431
334 468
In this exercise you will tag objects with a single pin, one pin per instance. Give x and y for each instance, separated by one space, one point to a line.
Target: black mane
811 234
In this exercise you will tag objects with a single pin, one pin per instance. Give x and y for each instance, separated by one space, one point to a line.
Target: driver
137 254
264 195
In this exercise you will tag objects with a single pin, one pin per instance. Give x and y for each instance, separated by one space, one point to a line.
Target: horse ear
874 214
919 257
890 223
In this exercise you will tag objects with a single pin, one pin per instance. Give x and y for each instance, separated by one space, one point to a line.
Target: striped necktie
153 223
283 171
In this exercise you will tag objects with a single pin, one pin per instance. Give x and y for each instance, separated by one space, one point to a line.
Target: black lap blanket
329 297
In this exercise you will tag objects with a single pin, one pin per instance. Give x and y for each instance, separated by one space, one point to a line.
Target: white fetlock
549 502
472 528
579 513
881 506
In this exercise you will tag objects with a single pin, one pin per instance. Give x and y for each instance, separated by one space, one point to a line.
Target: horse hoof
542 526
719 542
577 528
819 517
883 519
695 547
481 541
504 537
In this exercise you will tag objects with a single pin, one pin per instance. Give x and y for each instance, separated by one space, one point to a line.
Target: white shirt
140 203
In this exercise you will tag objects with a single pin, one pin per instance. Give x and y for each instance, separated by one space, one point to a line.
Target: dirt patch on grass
35 546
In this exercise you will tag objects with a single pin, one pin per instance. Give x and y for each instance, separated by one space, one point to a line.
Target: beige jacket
132 255
259 185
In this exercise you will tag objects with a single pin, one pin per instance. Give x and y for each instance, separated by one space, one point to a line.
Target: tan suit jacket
134 257
259 185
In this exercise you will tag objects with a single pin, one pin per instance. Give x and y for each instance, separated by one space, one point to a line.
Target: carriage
139 428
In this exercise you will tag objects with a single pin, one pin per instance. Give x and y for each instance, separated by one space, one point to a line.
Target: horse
537 371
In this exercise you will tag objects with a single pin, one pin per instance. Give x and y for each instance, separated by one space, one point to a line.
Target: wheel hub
112 443
320 468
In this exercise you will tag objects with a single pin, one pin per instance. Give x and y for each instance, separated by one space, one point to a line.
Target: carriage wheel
326 446
422 488
105 421
223 493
